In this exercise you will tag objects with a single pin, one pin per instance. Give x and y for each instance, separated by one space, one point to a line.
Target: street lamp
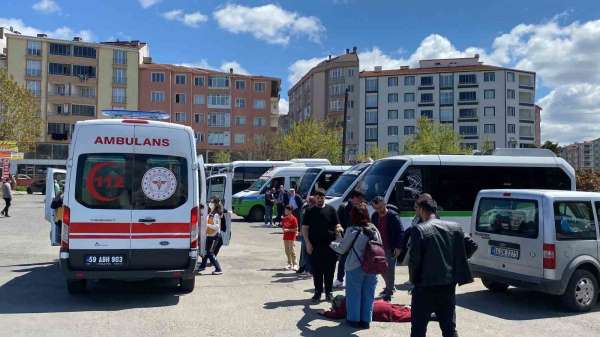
344 125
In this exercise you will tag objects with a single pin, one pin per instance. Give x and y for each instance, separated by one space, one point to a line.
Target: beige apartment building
73 81
320 95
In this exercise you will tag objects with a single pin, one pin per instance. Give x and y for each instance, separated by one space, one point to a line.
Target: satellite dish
154 115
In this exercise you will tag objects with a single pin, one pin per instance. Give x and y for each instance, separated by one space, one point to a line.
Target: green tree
374 153
20 119
222 157
488 146
311 139
434 138
549 145
588 180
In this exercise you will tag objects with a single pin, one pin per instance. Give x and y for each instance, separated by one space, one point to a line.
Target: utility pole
344 126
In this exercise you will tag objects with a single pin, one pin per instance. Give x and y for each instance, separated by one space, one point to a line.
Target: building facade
482 103
227 111
72 81
584 155
320 95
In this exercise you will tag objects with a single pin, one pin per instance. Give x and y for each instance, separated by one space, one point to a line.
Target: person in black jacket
437 262
389 225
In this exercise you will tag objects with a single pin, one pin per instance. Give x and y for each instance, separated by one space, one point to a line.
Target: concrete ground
254 297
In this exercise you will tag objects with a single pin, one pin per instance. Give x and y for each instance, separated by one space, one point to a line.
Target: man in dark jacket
390 227
355 198
437 262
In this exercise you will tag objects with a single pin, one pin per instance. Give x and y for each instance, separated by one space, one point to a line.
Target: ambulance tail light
194 228
64 233
549 256
134 121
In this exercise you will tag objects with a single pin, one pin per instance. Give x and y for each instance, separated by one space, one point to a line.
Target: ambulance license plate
104 260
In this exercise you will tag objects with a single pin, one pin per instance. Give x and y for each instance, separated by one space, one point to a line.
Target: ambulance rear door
220 186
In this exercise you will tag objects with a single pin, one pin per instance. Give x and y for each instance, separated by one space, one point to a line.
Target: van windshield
258 184
513 217
378 178
341 185
306 182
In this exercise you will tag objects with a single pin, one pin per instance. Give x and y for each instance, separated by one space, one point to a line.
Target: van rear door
163 186
509 232
58 175
219 186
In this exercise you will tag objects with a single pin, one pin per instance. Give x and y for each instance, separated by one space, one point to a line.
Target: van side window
513 217
275 182
294 182
412 186
574 220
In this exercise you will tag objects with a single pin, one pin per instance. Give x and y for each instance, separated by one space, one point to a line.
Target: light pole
344 126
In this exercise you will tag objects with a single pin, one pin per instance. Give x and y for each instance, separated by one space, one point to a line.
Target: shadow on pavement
310 315
289 277
42 289
515 304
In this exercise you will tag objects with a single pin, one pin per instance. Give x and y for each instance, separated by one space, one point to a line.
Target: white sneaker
288 267
295 267
337 284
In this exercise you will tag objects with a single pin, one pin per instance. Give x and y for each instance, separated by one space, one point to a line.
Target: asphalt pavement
254 297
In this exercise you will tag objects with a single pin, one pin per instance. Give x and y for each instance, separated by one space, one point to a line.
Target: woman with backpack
358 244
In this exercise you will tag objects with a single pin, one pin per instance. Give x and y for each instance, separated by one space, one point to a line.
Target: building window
336 105
199 99
218 119
350 72
34 87
84 71
259 104
426 81
525 131
350 87
180 78
86 91
118 95
392 81
218 100
409 97
240 102
393 148
467 113
259 122
489 111
371 117
157 96
60 49
510 76
409 80
218 82
34 48
510 111
371 133
336 73
199 81
157 77
467 96
239 138
392 98
34 68
119 76
526 80
467 130
489 77
409 130
180 117
199 137
218 138
525 97
427 114
427 98
510 128
240 84
446 97
371 84
467 79
179 98
83 110
371 101
240 120
81 51
489 94
198 118
336 89
446 114
392 114
392 130
510 94
119 56
526 115
489 129
260 86
446 81
59 131
59 69
409 113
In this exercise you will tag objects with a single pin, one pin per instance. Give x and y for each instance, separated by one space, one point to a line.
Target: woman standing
360 286
213 233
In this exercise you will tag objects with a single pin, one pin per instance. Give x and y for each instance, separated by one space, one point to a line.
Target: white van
131 202
344 184
321 177
539 239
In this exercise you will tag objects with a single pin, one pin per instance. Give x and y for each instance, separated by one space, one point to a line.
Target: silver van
539 239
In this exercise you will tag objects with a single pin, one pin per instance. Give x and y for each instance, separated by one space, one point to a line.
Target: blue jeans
268 215
360 293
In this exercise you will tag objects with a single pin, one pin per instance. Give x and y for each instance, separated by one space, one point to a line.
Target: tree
588 180
374 153
311 139
434 138
487 147
222 157
551 146
20 119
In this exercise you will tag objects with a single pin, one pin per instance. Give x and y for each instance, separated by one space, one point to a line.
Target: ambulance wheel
76 286
187 285
494 286
257 213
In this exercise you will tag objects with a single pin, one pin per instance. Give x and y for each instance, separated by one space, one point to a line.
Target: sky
559 40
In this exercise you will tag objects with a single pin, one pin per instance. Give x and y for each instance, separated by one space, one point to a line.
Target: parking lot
254 296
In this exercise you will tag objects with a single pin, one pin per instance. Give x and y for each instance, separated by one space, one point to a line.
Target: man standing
437 262
269 202
319 230
390 227
295 201
282 200
356 197
7 195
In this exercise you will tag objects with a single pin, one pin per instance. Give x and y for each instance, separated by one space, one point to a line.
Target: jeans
268 215
6 206
280 208
389 277
211 242
360 294
438 299
341 267
304 257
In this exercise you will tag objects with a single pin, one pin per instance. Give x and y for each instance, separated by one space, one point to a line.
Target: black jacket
343 213
394 225
437 255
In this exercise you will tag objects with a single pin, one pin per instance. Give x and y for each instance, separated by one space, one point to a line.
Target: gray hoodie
6 191
344 245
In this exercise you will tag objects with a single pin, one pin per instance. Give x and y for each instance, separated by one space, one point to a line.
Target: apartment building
227 111
481 102
538 126
320 95
73 81
584 155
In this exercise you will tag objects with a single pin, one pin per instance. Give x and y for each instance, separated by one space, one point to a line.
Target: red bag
374 260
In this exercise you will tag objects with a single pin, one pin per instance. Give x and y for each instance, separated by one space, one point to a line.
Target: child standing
290 230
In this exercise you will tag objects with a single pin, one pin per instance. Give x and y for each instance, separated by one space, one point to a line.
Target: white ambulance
132 197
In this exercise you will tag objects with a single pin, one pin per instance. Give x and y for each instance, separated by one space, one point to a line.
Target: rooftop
349 56
200 71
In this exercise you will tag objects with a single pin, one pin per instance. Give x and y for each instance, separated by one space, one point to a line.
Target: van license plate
104 260
510 253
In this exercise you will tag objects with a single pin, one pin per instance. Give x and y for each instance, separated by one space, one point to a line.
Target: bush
588 180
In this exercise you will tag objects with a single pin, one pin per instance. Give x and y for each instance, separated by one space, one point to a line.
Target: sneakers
217 272
295 267
288 267
328 297
338 284
316 298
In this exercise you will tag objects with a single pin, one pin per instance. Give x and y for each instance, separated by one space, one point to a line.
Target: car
23 180
544 240
37 185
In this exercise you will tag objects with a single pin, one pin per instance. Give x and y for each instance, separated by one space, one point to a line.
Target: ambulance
131 203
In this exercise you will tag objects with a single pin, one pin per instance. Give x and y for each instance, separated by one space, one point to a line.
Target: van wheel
257 213
187 285
581 292
29 190
76 286
494 286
